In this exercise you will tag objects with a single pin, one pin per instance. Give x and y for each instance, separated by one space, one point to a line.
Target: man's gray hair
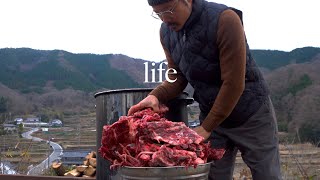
157 2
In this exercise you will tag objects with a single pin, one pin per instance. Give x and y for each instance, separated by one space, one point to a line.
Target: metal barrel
110 105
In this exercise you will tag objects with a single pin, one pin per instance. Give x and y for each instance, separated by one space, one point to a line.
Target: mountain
295 91
273 59
33 81
28 70
58 82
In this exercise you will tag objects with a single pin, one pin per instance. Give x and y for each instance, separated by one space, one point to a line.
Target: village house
18 120
56 123
34 122
32 119
74 157
9 128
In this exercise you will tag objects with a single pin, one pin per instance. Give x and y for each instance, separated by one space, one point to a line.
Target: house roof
75 153
56 122
32 119
9 125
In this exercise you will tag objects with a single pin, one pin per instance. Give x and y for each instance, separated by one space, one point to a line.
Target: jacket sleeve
232 48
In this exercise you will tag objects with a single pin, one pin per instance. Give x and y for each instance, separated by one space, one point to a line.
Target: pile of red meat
147 139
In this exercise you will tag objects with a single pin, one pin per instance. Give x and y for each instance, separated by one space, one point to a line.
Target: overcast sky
126 27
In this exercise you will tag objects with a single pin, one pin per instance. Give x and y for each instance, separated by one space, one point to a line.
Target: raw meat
147 139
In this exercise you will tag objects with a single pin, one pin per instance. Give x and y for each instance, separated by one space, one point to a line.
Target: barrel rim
122 90
128 90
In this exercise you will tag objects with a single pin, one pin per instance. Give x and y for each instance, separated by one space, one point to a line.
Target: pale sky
126 27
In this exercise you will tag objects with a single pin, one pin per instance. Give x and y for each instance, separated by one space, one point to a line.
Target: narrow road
57 151
4 169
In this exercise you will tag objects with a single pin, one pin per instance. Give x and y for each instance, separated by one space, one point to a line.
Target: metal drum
110 105
201 172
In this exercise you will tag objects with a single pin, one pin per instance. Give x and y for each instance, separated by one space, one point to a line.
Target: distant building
35 124
32 120
10 128
74 157
18 120
56 123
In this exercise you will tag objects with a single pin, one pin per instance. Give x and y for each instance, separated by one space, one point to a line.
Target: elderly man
206 44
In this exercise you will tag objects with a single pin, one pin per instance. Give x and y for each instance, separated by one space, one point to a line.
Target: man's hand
202 132
150 101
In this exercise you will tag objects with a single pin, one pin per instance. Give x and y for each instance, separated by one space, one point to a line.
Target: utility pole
1 165
79 130
46 131
49 155
3 148
49 149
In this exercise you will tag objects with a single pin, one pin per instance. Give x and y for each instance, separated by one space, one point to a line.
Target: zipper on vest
184 36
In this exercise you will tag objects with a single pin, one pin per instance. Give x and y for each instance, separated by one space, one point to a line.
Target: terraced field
21 153
299 161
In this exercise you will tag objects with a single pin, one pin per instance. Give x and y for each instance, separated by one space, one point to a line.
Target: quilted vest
194 50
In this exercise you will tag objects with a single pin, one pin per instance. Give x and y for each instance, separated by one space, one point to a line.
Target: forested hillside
28 70
273 59
295 91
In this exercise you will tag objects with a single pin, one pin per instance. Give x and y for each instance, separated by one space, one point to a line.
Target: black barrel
178 111
110 105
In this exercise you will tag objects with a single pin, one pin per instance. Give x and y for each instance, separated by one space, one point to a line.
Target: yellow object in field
25 154
9 154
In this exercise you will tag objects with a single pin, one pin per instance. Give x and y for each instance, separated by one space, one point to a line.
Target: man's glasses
168 12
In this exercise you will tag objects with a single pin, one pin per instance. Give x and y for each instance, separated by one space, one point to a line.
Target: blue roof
75 153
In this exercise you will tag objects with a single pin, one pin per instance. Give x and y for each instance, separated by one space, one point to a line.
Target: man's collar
197 8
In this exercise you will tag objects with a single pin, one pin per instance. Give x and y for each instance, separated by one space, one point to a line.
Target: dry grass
21 153
298 162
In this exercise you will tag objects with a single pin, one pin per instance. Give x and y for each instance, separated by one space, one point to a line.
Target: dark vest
194 50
